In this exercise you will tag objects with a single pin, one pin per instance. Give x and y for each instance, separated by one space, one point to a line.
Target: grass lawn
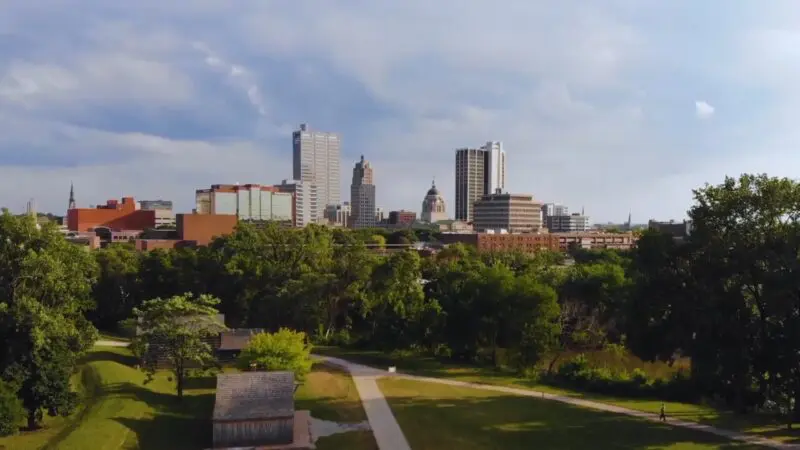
766 426
435 416
330 394
106 336
121 412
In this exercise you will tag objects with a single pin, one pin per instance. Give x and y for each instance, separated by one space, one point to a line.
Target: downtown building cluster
485 214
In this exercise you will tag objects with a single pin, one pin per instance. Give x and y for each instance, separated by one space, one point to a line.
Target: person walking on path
663 415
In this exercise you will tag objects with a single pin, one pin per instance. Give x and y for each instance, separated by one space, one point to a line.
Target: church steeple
71 196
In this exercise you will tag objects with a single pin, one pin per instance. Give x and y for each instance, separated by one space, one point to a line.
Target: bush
575 370
284 350
578 373
339 338
11 412
639 377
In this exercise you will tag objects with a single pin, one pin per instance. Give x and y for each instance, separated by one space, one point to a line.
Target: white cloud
238 75
105 77
589 98
144 166
703 110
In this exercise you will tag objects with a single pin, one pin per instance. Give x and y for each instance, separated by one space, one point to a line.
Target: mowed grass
119 411
767 426
435 416
330 394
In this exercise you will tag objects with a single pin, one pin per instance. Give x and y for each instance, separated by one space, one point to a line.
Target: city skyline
606 104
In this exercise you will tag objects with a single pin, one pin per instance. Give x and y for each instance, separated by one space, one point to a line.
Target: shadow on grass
439 368
175 424
511 422
333 409
107 355
91 387
201 382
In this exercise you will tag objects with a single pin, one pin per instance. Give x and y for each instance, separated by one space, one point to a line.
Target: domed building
433 207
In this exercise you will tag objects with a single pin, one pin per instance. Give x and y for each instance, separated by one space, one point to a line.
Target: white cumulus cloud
703 110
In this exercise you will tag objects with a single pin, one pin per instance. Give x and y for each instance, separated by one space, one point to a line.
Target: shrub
11 412
639 377
575 369
284 350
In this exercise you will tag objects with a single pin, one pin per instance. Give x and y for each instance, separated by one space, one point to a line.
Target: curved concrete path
362 374
384 426
107 343
389 436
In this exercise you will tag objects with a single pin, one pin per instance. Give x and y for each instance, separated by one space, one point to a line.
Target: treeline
726 299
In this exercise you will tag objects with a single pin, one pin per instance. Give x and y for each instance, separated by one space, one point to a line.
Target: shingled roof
210 322
237 339
254 396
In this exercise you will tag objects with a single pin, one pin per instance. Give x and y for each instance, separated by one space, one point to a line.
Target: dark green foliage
176 332
45 290
578 374
11 410
725 298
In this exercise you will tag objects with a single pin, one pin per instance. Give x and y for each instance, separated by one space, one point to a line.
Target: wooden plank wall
251 433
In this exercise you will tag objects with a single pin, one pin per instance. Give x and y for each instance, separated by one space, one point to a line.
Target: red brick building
193 230
115 215
402 217
203 228
530 242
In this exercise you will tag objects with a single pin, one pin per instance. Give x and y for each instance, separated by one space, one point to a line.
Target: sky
614 106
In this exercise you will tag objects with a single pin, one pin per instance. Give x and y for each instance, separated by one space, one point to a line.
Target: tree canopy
725 299
175 332
283 350
45 292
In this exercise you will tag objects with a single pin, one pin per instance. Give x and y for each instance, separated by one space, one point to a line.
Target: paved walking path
733 435
384 426
372 374
389 436
107 343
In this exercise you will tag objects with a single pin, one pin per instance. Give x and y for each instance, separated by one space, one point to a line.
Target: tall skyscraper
479 172
362 196
316 162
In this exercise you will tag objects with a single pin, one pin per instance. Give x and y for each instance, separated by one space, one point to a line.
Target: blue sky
613 105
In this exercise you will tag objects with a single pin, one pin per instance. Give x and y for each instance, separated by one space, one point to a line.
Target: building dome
433 206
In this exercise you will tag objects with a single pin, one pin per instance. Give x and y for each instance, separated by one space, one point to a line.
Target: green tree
534 320
395 308
118 289
745 270
377 241
11 410
332 293
45 290
263 263
402 237
177 331
283 350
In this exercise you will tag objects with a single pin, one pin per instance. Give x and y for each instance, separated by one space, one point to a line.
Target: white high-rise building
479 172
305 201
248 202
316 161
496 167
